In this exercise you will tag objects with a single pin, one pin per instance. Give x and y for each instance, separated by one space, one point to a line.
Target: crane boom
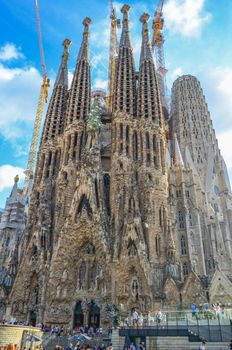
158 47
40 38
43 97
112 55
160 5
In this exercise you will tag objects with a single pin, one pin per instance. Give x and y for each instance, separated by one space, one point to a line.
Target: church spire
112 57
84 50
54 122
62 77
177 156
149 105
125 37
125 83
79 98
146 50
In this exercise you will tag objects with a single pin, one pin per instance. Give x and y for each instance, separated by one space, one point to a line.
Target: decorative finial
67 43
87 21
125 9
16 179
144 18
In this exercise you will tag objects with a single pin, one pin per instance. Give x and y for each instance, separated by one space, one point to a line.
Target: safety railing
177 324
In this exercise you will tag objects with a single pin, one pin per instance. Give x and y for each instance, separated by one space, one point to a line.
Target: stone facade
119 214
12 225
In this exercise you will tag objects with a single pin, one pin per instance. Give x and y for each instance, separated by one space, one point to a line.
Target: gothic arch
131 248
84 204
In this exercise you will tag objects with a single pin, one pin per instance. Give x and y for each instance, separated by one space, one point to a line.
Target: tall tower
38 239
190 120
54 123
79 96
78 107
112 56
125 82
49 157
152 172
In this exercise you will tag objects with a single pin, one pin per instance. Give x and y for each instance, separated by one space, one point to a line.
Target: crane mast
43 97
158 47
114 24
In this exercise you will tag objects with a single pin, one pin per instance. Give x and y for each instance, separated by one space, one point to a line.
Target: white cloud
7 174
9 52
7 74
70 78
185 17
100 84
216 83
19 92
176 73
225 143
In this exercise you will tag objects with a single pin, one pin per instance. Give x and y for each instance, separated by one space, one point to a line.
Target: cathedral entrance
32 318
78 316
94 314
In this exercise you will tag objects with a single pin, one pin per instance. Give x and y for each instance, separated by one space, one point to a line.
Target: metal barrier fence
211 330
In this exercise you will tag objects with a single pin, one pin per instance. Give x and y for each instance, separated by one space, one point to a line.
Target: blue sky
198 36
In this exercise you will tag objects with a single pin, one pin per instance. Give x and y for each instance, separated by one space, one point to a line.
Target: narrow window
141 146
181 219
81 143
96 193
155 151
148 156
190 219
106 183
127 141
183 249
74 146
135 146
185 269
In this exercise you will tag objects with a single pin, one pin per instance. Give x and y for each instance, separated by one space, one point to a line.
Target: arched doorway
78 319
94 314
32 317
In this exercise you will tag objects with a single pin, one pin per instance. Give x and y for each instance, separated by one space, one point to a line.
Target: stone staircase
177 343
117 341
14 334
10 335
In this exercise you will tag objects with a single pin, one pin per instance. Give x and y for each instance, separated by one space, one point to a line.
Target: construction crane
115 23
158 47
43 97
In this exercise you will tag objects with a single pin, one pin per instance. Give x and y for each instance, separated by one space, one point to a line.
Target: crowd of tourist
137 319
211 311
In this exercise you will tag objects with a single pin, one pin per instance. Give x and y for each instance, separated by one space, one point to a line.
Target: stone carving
102 220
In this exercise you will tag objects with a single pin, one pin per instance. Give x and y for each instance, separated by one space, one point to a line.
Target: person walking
230 345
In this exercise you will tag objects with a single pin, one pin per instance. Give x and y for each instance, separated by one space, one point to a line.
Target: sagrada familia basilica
128 208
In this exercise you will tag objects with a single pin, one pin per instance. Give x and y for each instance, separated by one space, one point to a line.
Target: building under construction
126 208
